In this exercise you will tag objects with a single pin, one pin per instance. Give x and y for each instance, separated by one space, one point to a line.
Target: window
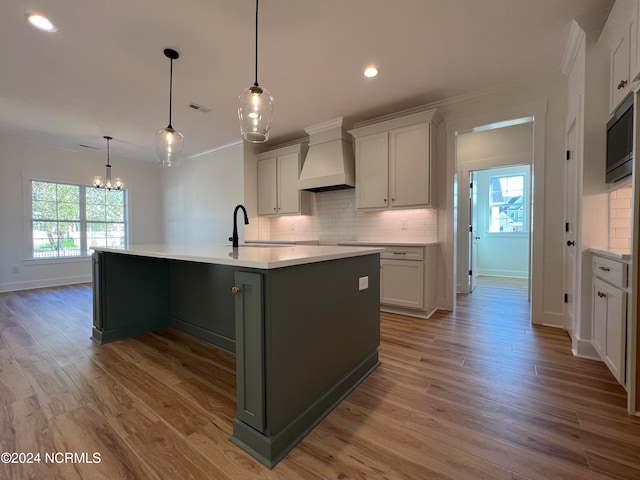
69 220
507 203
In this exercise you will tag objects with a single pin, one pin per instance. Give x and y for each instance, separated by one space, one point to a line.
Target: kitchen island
303 322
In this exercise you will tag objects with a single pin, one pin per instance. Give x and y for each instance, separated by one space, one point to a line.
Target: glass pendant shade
255 112
169 144
255 109
97 181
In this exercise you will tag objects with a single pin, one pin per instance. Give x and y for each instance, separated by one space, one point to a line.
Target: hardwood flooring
475 394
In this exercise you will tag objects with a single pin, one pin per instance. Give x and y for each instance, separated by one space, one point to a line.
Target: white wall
200 195
20 161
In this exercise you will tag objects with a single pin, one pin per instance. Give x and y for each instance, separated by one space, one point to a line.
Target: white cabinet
634 44
393 162
402 277
620 35
407 277
278 172
609 313
619 83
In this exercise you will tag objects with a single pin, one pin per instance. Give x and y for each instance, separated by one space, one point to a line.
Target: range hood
330 163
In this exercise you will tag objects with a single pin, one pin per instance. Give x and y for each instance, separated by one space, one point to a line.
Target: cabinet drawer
610 270
403 253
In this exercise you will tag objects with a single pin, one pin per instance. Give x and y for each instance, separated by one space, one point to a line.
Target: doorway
494 224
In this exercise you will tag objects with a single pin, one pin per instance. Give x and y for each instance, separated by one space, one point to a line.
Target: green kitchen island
303 322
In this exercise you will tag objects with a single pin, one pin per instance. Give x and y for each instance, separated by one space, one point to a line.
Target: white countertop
404 244
254 256
622 255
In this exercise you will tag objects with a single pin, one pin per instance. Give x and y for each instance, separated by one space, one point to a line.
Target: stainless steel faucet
234 238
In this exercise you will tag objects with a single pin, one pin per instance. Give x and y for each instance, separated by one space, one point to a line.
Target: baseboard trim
270 449
48 282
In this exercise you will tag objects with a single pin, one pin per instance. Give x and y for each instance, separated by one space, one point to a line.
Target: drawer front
610 270
403 253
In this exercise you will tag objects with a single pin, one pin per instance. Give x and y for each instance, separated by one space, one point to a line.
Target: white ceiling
104 71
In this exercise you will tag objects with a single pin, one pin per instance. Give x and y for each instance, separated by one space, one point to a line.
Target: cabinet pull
602 294
384 200
393 199
605 269
399 253
236 290
622 84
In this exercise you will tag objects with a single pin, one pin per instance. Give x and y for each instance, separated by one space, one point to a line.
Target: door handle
570 243
476 238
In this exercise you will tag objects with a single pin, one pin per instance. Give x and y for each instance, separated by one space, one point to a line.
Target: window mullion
83 220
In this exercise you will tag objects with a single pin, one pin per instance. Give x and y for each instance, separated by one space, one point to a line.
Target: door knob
570 243
477 238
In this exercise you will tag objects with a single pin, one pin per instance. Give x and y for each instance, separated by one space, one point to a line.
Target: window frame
85 250
525 208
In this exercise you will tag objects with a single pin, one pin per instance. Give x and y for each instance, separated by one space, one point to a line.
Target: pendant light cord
256 82
170 91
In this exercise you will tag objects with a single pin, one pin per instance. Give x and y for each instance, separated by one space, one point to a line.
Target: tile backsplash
334 219
620 218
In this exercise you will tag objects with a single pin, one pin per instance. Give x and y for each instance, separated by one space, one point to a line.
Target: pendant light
169 142
116 184
256 107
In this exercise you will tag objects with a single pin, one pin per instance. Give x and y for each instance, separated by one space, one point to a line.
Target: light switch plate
363 283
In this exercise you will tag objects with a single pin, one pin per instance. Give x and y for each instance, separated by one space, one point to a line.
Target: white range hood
330 162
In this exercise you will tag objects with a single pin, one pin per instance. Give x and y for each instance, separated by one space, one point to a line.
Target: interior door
571 189
474 234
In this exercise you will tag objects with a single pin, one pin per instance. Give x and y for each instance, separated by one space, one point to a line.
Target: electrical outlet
403 225
363 283
15 269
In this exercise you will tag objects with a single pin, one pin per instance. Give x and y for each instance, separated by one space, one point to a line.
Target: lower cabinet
249 349
609 314
407 277
402 279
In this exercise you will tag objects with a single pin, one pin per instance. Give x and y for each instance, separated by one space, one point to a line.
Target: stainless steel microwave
620 142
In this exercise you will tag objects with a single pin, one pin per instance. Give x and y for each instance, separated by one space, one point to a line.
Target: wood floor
471 395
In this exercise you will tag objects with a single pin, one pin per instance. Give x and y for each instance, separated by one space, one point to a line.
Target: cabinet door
372 171
599 320
409 166
402 283
610 326
288 192
250 350
267 181
616 332
634 45
619 84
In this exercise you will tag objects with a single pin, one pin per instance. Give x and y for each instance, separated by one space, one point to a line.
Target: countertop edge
247 263
612 254
385 243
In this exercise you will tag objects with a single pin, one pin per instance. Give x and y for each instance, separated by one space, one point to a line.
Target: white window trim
28 258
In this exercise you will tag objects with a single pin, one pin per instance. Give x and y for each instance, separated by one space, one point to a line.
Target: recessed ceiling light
41 23
371 72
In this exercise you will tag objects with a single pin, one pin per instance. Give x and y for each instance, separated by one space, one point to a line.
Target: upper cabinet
619 84
278 192
620 34
393 162
634 42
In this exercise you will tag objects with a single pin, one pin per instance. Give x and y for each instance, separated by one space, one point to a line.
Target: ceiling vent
199 108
